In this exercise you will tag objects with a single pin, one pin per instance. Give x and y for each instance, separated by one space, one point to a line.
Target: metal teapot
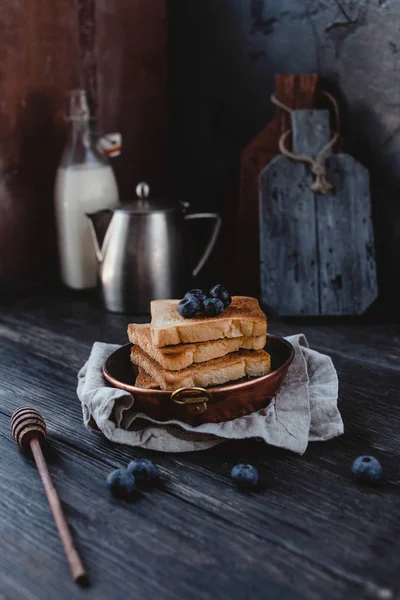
141 251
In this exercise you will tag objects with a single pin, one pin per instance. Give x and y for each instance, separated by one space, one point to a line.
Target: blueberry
245 475
121 483
219 291
189 306
198 293
367 469
143 469
212 307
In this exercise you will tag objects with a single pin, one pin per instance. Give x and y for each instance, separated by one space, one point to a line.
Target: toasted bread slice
145 381
243 317
214 372
179 357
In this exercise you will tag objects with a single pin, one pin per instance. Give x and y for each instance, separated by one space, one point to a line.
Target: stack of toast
173 352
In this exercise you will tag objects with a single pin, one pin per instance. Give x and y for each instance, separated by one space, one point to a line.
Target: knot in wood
26 424
320 185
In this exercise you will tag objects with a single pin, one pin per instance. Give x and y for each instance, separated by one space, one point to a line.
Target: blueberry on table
121 483
143 469
189 306
220 292
245 475
367 469
198 293
212 307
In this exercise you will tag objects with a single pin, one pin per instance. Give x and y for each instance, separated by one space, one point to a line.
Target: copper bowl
199 405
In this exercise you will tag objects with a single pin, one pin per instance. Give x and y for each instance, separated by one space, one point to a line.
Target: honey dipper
29 431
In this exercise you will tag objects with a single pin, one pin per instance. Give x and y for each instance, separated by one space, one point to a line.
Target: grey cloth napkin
305 409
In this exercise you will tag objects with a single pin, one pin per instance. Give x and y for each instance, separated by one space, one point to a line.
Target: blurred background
188 85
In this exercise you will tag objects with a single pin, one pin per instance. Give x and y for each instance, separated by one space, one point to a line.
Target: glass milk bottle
85 183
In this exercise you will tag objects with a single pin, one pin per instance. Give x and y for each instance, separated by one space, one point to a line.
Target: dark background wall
223 56
117 50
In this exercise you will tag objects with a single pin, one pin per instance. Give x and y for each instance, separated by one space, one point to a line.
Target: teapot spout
98 223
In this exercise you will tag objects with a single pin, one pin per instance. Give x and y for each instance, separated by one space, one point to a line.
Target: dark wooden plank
127 58
157 547
280 515
50 377
310 132
132 87
350 341
63 314
288 235
332 271
86 23
39 63
322 39
185 537
296 91
345 240
289 274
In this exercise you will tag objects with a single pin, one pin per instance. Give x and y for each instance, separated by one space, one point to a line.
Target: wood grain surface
346 240
117 51
288 231
295 91
132 88
224 96
38 63
317 250
288 242
309 533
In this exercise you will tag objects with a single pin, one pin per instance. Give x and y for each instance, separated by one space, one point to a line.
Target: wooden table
309 533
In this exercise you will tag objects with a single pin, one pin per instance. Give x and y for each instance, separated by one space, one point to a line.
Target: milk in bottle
85 183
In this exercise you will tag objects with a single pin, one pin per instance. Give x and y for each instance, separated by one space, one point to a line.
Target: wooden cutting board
296 91
317 250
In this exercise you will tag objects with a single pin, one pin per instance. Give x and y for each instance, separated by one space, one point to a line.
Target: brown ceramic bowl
198 405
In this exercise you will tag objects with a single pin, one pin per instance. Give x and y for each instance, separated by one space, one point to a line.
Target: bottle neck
82 147
80 131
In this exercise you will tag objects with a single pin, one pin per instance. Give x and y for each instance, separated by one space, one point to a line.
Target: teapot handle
213 238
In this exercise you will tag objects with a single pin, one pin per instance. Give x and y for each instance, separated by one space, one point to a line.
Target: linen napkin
305 409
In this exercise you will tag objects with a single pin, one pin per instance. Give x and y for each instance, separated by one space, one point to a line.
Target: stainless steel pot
143 253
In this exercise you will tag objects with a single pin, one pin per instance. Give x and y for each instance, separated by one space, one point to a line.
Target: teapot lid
144 204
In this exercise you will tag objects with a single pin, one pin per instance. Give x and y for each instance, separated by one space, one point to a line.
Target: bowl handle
195 404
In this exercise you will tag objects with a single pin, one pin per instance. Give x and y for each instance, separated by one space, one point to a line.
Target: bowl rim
215 390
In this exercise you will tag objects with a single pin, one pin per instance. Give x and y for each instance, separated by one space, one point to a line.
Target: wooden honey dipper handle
29 430
75 563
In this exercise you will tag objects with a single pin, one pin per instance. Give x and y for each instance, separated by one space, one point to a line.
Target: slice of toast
214 372
243 317
145 381
181 356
